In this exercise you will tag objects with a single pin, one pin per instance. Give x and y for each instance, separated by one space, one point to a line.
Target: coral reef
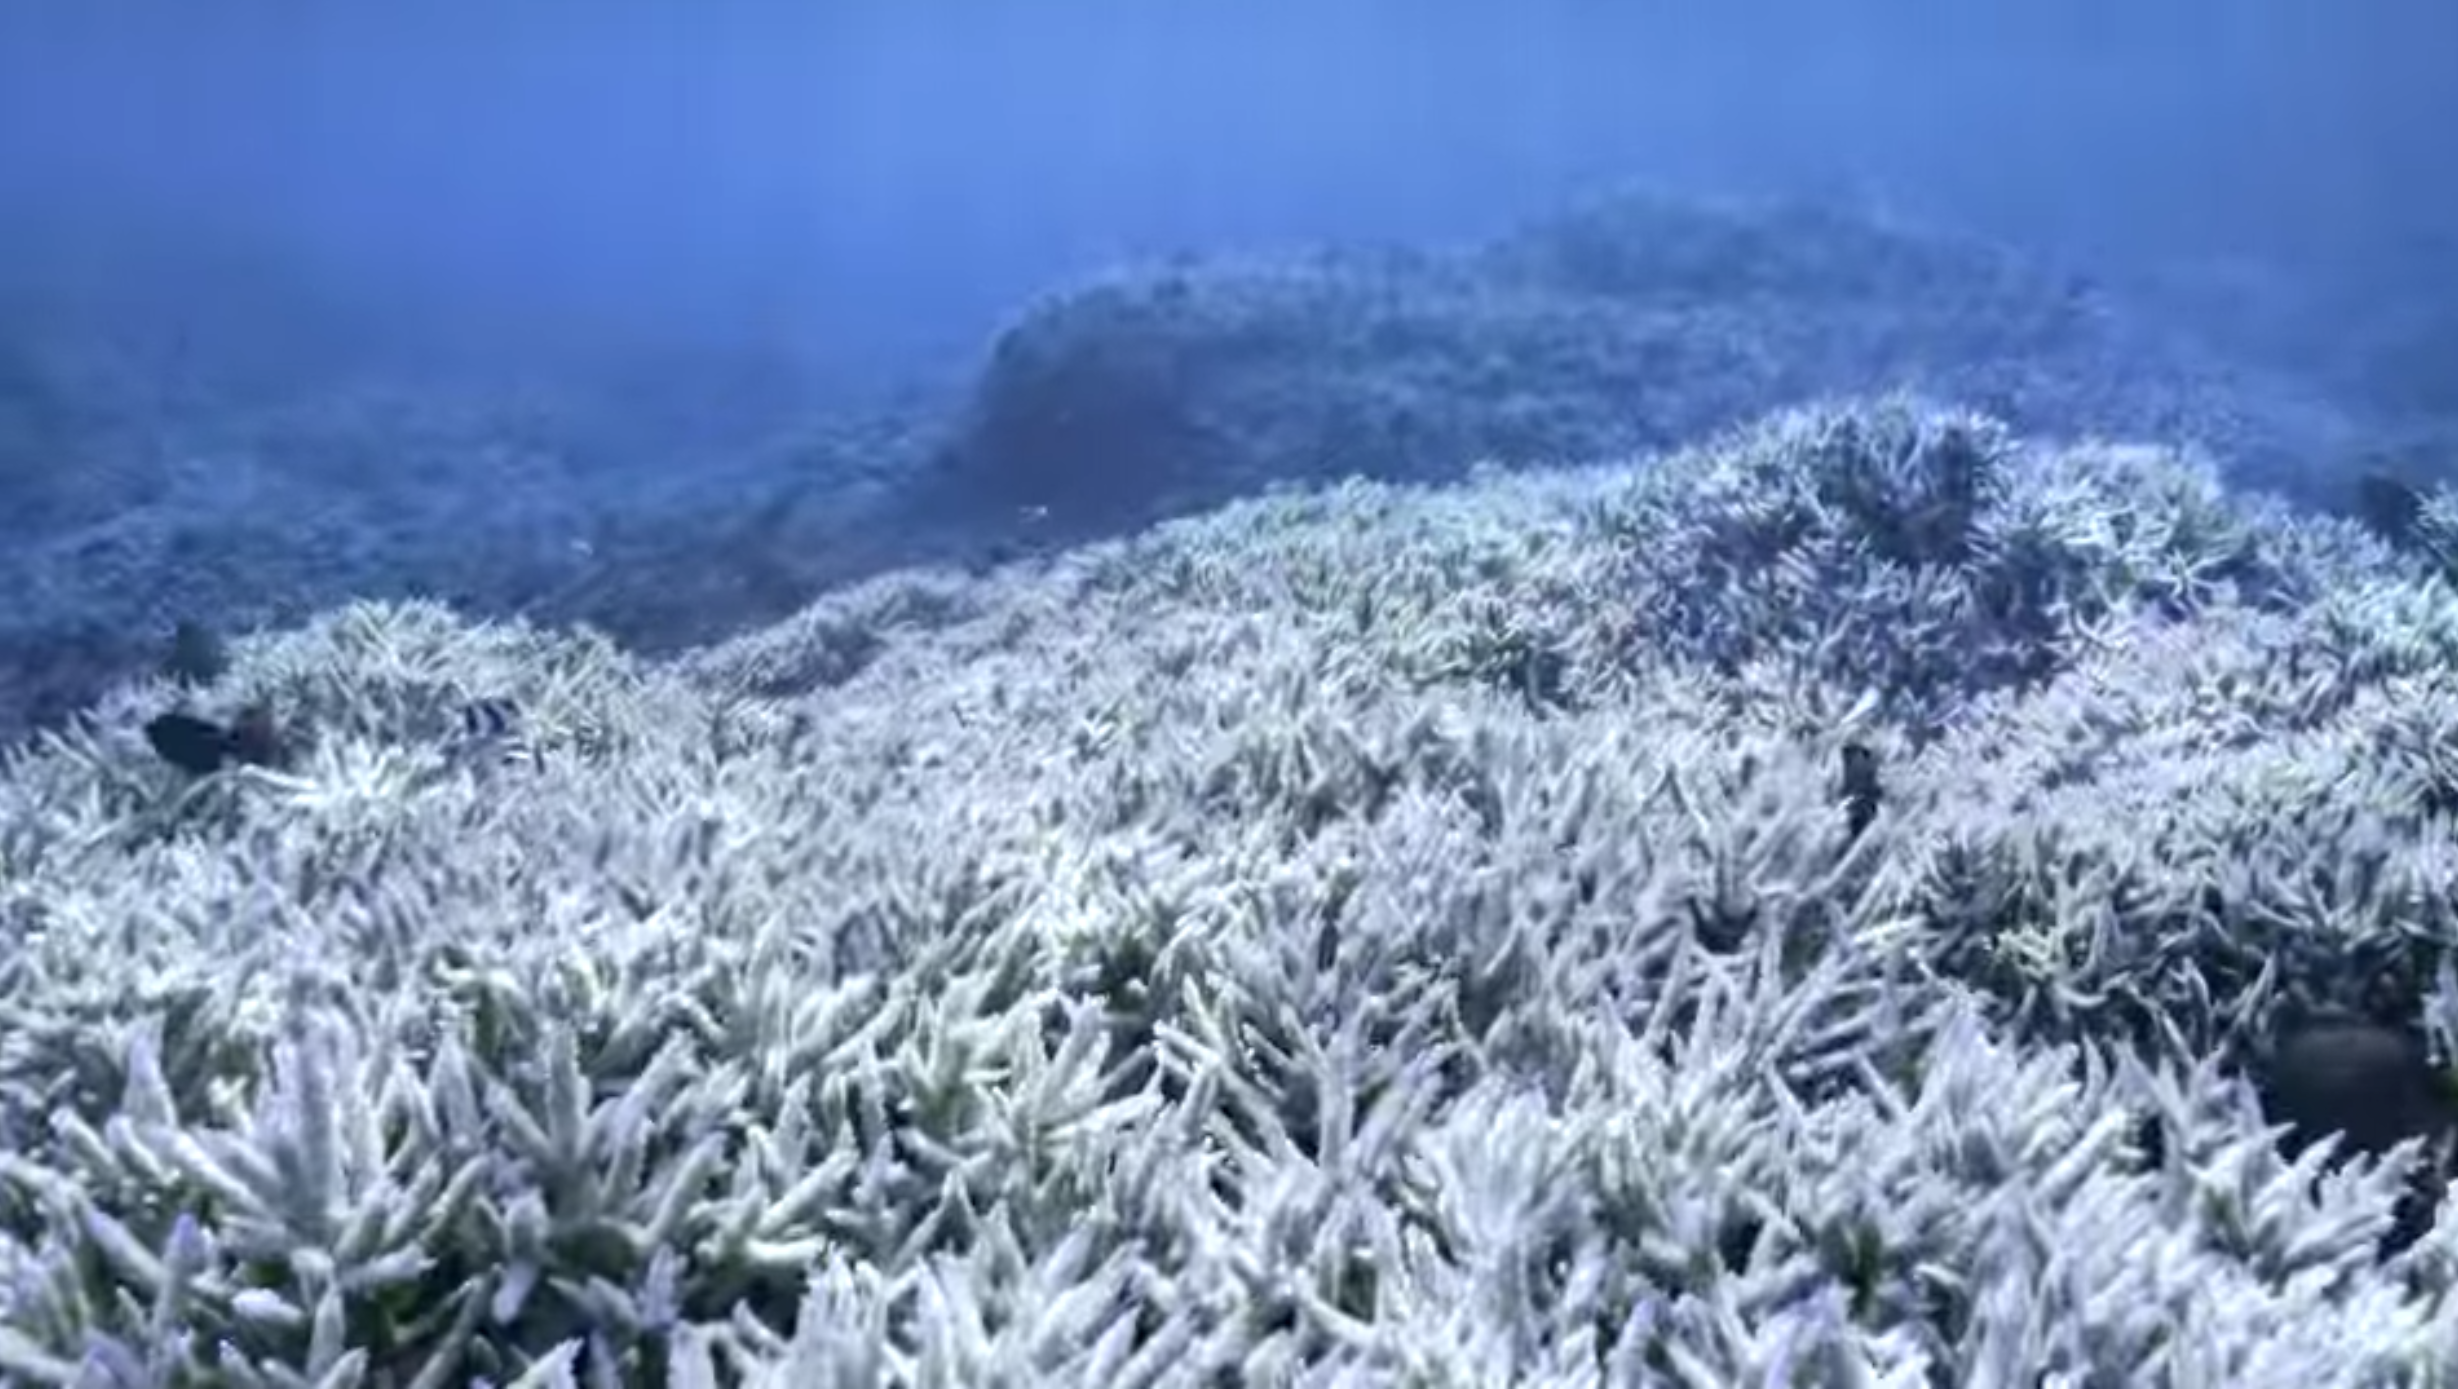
1384 933
1627 324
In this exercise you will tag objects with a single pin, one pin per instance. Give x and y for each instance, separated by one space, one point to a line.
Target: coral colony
1863 894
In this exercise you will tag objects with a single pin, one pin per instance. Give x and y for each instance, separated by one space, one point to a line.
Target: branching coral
1205 957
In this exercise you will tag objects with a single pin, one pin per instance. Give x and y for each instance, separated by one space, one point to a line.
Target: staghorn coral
1199 958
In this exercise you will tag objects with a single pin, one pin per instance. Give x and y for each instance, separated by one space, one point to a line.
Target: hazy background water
862 187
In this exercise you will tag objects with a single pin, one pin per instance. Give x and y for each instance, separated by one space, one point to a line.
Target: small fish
201 747
490 718
1860 787
2370 1084
2390 506
2374 1087
197 655
491 728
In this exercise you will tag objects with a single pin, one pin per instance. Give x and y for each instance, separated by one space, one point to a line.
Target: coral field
1387 933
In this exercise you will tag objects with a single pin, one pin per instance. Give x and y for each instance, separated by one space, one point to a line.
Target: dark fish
197 655
1860 787
201 747
2389 506
193 745
2375 1087
2373 1084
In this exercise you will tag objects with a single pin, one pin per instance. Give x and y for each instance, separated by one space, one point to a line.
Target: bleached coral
1365 937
